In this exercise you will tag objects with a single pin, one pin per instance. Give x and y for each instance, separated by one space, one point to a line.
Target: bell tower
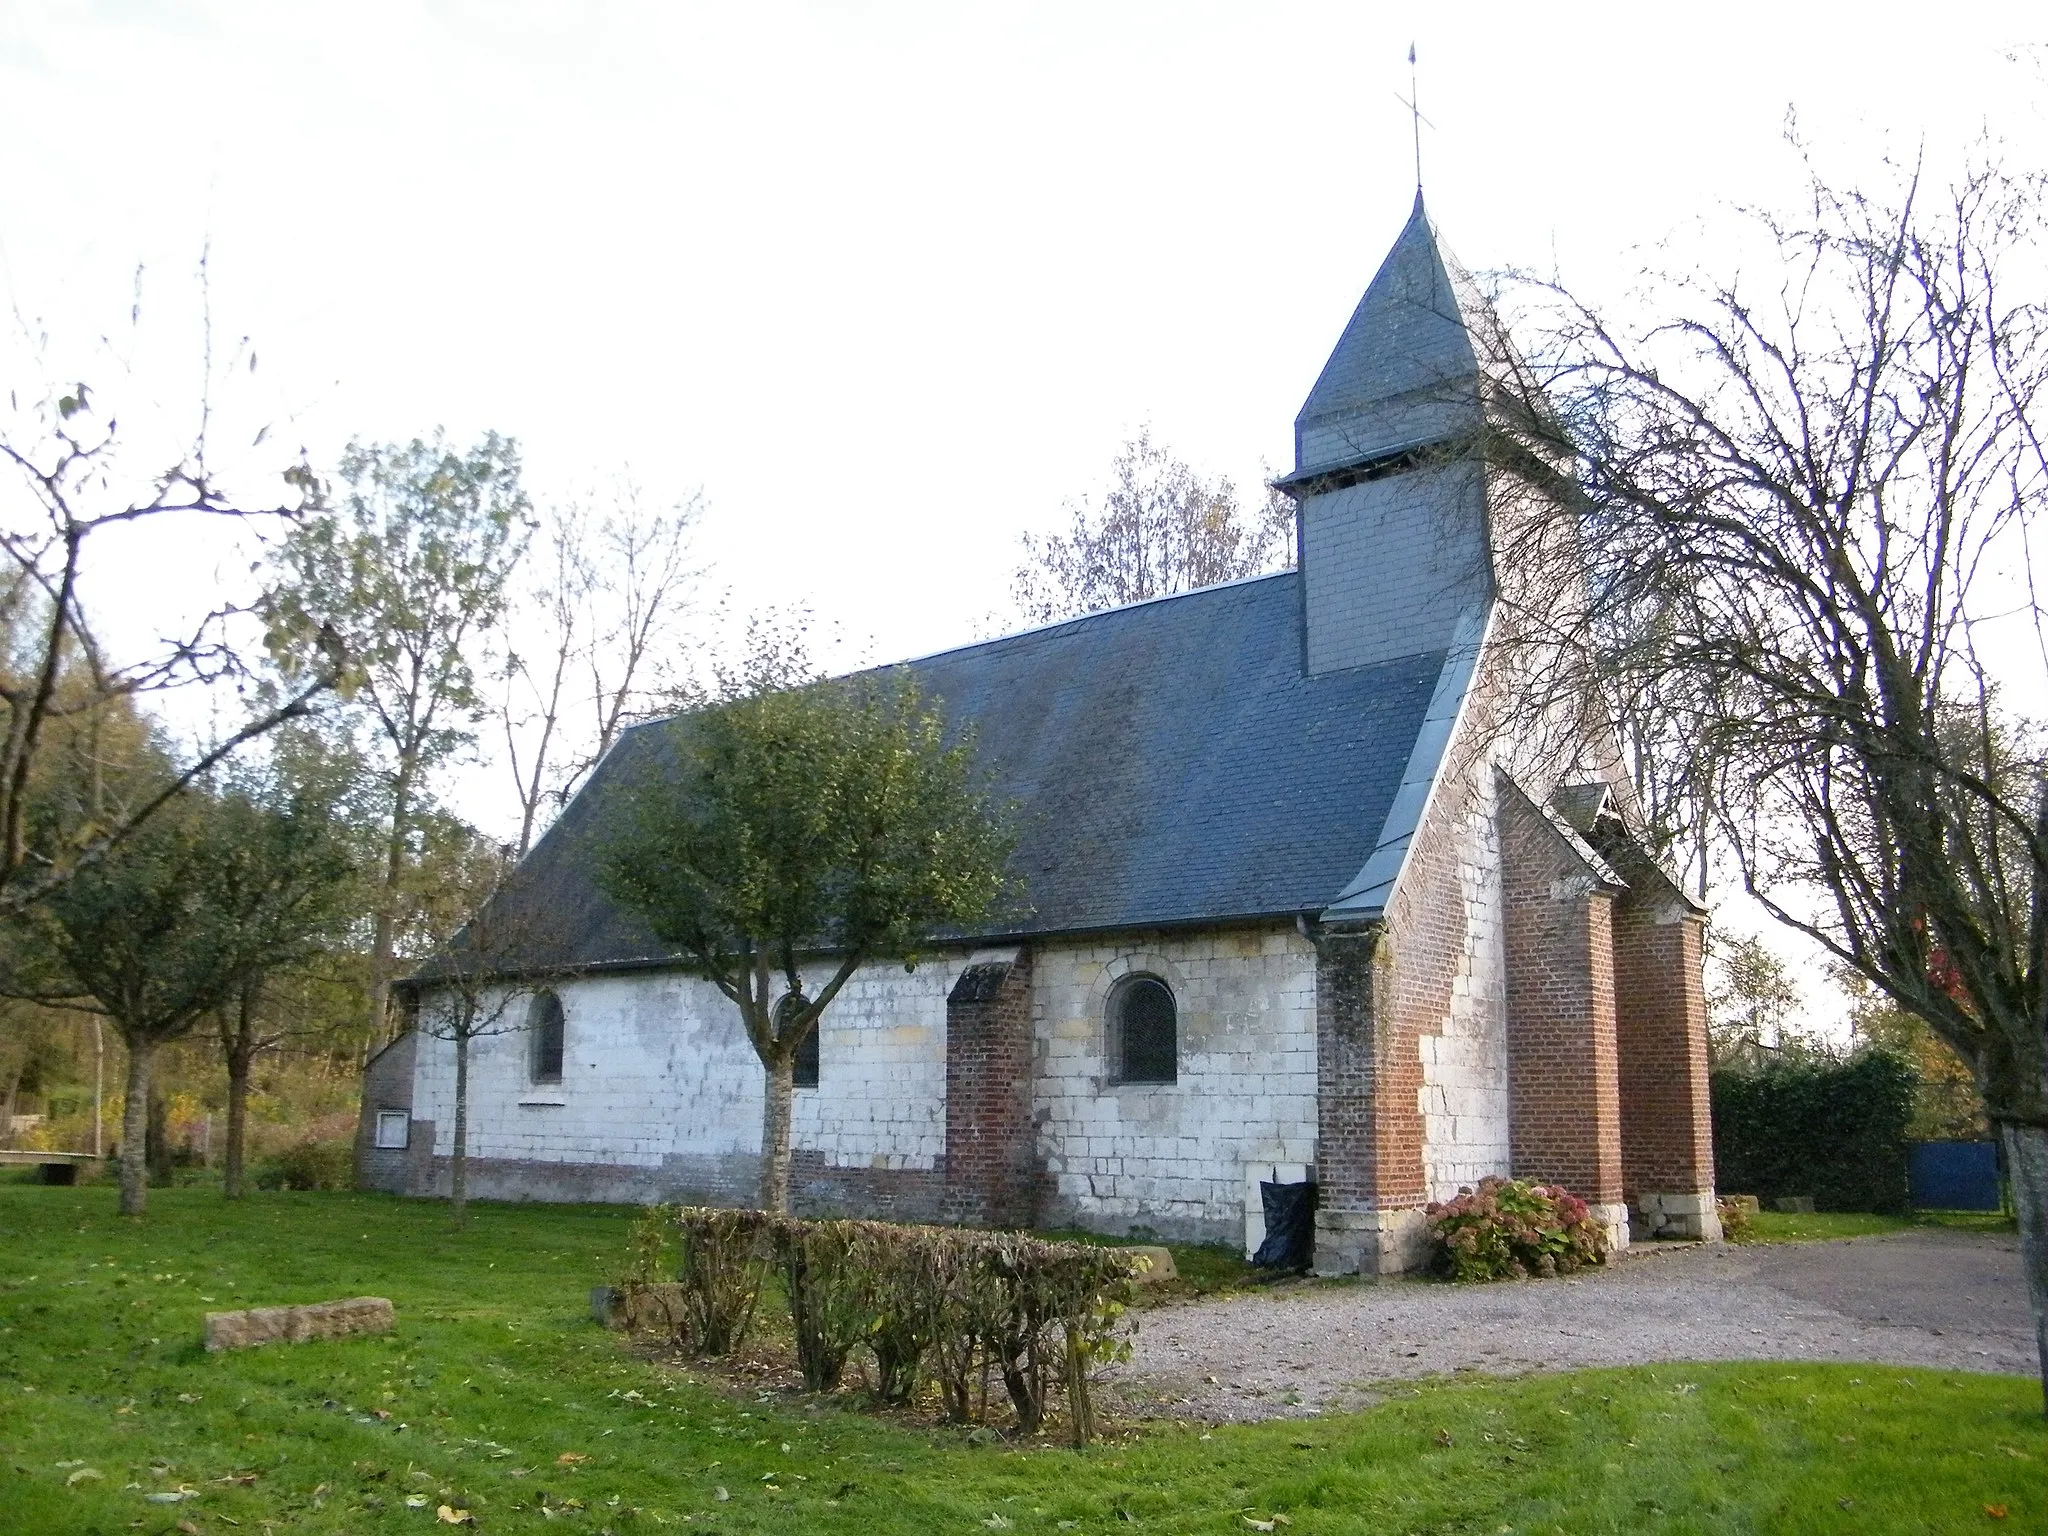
1390 492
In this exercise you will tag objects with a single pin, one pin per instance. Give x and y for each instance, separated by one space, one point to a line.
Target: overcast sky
889 282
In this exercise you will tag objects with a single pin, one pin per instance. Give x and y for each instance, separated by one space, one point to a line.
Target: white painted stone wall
1465 1128
1173 1156
655 1065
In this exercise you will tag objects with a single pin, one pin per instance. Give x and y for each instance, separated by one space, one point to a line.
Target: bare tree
69 491
500 954
610 595
1810 496
1161 528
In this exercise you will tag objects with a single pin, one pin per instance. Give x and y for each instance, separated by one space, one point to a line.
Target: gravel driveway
1943 1299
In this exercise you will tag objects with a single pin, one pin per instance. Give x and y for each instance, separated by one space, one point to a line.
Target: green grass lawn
504 1400
1784 1227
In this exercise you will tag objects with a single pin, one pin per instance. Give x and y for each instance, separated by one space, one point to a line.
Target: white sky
888 281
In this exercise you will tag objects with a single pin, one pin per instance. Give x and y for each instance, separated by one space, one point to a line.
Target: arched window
806 1075
1144 1029
544 1023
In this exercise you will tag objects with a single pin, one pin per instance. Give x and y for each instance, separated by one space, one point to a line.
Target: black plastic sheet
1290 1226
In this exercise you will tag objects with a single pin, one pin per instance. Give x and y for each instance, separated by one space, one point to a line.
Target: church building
1305 900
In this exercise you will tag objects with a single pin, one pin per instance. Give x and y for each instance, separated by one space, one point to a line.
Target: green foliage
1835 1130
830 816
950 1302
1510 1228
402 580
835 813
723 1262
830 1292
404 573
310 1165
213 889
1737 1219
1752 1001
496 1371
1947 1103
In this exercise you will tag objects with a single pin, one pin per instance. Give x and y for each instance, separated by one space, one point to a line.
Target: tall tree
168 926
830 819
1823 478
604 612
1160 528
1752 1001
410 572
295 876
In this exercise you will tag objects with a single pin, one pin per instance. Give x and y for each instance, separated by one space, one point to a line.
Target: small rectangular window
394 1129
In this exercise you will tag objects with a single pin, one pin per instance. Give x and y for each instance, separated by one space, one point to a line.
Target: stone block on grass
295 1325
1159 1270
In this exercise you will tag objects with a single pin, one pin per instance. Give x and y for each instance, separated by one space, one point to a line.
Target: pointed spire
1406 370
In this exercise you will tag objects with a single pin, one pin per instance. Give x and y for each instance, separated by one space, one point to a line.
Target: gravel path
1942 1299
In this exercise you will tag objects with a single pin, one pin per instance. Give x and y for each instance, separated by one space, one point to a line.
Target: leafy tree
172 923
783 821
1946 1104
1161 528
1751 1000
1819 477
410 572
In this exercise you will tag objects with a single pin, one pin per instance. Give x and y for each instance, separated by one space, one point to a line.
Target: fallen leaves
1995 1511
85 1475
571 1458
449 1515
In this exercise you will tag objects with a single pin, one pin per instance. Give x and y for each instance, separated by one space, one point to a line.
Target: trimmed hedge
1835 1130
944 1305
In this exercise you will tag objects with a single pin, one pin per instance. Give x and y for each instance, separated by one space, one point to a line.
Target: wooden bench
57 1167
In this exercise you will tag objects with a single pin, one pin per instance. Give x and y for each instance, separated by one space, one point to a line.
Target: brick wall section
1351 983
1565 1098
1667 1142
991 1174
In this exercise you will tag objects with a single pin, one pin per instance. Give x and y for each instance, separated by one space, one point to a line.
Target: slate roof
1406 370
1172 764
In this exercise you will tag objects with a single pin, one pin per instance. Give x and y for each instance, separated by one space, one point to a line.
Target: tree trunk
156 1151
777 1099
7 1107
2026 1161
135 1130
458 1182
382 940
239 1047
238 1124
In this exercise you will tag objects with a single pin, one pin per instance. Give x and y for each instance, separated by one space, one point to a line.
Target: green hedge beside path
1835 1130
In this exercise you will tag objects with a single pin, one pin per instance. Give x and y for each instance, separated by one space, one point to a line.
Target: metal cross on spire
1415 112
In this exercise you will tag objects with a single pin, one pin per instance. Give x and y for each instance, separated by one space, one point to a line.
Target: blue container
1954 1175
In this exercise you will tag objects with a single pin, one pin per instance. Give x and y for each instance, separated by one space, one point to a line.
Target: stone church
1300 908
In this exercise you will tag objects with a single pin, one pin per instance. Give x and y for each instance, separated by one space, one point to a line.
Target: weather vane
1415 112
